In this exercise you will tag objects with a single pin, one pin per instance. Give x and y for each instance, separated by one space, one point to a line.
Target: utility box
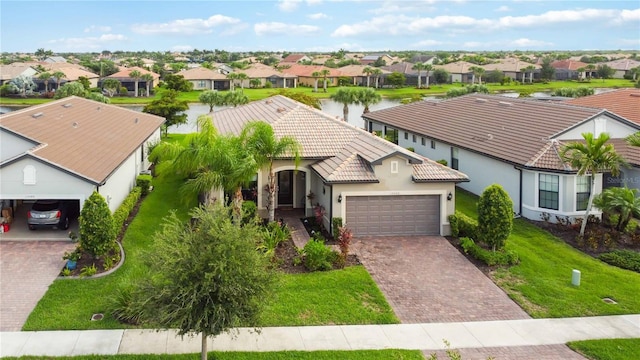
575 278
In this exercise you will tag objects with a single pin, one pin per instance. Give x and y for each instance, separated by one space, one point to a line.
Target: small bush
144 182
97 231
442 162
336 224
462 225
344 240
273 234
318 256
626 259
249 211
123 211
88 271
491 258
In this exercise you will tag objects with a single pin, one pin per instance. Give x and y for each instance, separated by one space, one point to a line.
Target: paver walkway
425 279
27 268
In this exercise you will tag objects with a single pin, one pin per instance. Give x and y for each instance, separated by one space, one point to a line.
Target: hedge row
491 258
625 259
123 211
463 226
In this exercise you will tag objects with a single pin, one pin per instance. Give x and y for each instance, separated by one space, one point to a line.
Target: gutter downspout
520 194
331 209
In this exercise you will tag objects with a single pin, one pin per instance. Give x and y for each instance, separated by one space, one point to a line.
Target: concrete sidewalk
430 336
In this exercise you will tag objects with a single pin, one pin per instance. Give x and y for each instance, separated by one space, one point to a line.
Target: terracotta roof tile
85 137
549 157
430 170
308 70
623 102
201 73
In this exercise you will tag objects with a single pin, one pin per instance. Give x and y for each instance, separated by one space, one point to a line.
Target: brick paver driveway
425 279
27 268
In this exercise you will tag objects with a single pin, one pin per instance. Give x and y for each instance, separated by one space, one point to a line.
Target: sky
318 25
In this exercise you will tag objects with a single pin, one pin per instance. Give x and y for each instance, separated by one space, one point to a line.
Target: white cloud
90 42
97 28
388 7
629 15
112 37
503 8
389 24
186 26
278 28
314 2
317 16
288 5
427 43
528 43
447 22
551 17
182 48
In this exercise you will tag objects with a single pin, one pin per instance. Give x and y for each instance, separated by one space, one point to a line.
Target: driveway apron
425 279
27 268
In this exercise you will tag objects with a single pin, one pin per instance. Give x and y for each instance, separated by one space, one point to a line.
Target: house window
423 141
433 144
394 167
414 138
29 175
548 190
406 136
583 191
201 84
454 158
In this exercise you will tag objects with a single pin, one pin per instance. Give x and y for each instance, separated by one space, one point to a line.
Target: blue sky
318 25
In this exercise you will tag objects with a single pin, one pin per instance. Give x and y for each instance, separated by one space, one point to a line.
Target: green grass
346 296
541 283
608 349
278 355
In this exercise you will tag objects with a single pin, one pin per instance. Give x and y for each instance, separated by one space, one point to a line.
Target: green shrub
249 211
272 235
336 224
491 258
97 231
462 225
411 148
122 213
626 259
318 256
144 182
443 162
495 217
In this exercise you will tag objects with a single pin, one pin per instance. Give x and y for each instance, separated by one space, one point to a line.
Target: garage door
393 215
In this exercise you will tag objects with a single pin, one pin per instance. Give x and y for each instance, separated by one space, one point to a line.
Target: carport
19 230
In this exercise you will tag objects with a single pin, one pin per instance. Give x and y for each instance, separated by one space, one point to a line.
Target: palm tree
530 69
212 98
45 77
315 75
324 74
366 97
148 79
524 74
255 83
135 75
59 75
235 98
590 68
477 72
428 68
367 71
377 73
581 71
242 77
418 66
345 96
621 201
232 77
265 147
589 158
633 139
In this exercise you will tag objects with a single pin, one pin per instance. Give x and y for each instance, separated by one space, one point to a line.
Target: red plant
319 212
344 240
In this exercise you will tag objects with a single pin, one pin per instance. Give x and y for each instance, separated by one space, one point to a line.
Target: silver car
52 213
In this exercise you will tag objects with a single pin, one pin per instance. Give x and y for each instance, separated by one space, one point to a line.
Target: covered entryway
392 215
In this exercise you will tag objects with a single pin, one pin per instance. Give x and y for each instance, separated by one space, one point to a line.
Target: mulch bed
286 253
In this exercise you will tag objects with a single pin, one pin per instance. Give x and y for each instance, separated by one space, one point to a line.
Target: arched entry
291 187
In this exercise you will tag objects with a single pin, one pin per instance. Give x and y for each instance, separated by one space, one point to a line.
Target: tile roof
401 67
623 102
11 71
294 58
85 137
201 73
458 67
258 71
512 130
344 152
308 70
509 64
124 73
549 157
355 70
74 73
568 64
623 64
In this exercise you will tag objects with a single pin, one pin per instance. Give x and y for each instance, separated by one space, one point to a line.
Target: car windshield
45 205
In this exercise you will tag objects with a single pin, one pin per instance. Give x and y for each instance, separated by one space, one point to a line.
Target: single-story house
568 70
295 58
406 68
511 142
372 58
69 148
129 83
356 72
268 74
206 79
458 71
12 71
513 68
304 73
375 186
622 67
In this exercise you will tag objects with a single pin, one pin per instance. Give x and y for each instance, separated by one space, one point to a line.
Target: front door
285 188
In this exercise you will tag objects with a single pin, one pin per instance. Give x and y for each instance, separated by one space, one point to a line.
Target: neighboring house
376 187
512 67
69 148
425 59
458 71
371 58
267 74
358 77
512 142
224 69
304 73
12 71
295 58
410 74
128 82
206 79
568 70
71 73
55 59
622 67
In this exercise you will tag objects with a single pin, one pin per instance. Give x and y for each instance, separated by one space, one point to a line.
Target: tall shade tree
324 74
266 148
367 97
148 79
345 96
589 158
135 75
207 278
212 98
315 76
367 71
170 108
45 77
418 67
59 75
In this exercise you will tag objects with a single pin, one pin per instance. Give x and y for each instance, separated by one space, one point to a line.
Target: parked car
53 213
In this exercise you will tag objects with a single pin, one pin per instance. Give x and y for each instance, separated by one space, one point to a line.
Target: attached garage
393 215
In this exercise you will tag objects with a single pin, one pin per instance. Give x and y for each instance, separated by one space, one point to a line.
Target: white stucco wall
11 145
121 182
602 123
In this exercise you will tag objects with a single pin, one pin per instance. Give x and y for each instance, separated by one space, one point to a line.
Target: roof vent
281 110
67 105
37 115
504 103
268 101
74 125
635 94
136 121
479 100
99 108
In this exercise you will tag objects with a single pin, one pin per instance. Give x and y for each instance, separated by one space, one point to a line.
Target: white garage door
393 215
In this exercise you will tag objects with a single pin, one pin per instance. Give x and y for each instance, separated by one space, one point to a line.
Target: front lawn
541 283
608 349
389 354
346 296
